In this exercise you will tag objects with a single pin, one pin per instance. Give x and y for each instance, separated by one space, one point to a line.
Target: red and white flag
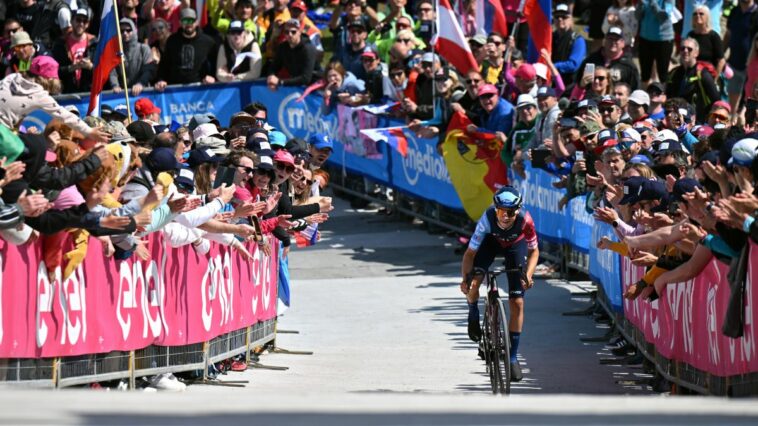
450 42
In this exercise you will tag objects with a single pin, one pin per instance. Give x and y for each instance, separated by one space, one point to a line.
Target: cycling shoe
474 330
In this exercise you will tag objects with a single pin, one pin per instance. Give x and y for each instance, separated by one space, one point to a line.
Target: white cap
744 152
615 31
541 70
666 135
204 130
640 97
524 100
631 134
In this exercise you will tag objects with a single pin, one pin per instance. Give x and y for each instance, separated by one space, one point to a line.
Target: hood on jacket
351 81
21 86
132 43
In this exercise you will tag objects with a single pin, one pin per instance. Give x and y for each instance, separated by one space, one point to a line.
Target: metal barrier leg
132 379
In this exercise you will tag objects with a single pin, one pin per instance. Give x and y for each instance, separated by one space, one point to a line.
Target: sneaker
123 385
474 330
623 350
239 366
167 382
516 374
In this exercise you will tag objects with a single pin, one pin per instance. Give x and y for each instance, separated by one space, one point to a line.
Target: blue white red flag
308 236
490 18
539 17
107 55
392 135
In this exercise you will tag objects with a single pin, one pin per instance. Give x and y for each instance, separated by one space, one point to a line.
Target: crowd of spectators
649 115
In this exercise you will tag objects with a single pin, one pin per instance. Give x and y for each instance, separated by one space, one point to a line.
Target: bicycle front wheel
503 349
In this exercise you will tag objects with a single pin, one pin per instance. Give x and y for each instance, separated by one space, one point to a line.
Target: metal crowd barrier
152 360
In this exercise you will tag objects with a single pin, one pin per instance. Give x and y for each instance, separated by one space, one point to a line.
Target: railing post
132 379
56 371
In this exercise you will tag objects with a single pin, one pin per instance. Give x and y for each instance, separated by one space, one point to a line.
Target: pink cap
722 104
526 72
486 90
282 156
44 66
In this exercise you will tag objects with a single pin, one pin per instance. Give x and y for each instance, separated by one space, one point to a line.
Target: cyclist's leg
482 261
515 258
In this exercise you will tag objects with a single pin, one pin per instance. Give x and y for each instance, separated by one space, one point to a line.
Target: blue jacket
575 59
500 119
655 19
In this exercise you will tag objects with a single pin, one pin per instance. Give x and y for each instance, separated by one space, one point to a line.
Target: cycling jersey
522 229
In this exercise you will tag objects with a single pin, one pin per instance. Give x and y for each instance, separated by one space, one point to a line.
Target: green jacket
518 139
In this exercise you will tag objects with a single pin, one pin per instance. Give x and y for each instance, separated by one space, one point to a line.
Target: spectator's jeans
658 51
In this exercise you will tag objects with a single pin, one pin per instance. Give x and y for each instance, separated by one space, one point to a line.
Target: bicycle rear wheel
486 347
503 345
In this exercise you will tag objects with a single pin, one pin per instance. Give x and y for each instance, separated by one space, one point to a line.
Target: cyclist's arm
481 231
533 251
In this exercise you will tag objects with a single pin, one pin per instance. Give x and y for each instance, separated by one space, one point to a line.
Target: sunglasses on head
285 168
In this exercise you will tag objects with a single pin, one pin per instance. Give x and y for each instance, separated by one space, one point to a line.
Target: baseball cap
236 27
608 100
321 141
545 92
669 147
203 156
265 162
277 138
185 179
142 132
296 146
586 103
370 51
540 70
722 104
630 133
632 189
216 143
121 109
744 152
561 9
204 131
430 57
292 23
640 97
357 22
606 138
615 32
589 127
188 13
656 87
199 119
241 118
259 145
145 106
606 134
162 160
282 156
711 156
478 39
684 186
526 72
298 4
652 190
525 100
486 89
641 159
44 66
83 12
702 131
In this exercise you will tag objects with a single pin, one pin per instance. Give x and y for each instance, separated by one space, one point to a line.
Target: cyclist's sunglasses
506 212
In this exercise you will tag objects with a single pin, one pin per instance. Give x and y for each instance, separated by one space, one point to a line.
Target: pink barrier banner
176 298
685 323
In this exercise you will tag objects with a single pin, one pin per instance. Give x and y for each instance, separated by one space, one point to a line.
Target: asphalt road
377 302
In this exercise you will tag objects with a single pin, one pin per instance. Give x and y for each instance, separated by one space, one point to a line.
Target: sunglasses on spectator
605 110
403 26
368 59
496 43
188 21
126 29
720 117
440 78
507 212
359 30
487 96
600 77
404 40
687 49
248 170
187 142
471 81
425 9
295 11
157 28
285 168
425 64
396 74
291 32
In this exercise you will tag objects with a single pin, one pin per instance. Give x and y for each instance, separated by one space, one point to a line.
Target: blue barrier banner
176 103
423 172
605 266
579 224
541 201
304 118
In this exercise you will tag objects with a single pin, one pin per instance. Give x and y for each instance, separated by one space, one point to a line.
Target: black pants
658 51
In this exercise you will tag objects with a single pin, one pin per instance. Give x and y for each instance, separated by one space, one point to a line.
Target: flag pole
123 66
514 31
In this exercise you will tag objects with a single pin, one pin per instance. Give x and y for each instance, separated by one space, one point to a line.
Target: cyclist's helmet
507 197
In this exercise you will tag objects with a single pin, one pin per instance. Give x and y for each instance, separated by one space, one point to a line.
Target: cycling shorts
515 257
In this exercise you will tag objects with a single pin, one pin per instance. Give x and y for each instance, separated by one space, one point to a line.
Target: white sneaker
123 385
167 382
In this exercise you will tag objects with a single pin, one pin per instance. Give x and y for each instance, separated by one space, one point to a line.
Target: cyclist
502 230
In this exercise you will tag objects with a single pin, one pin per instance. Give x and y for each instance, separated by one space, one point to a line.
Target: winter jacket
140 67
20 97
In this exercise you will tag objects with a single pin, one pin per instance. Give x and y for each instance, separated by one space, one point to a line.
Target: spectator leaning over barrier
295 61
497 113
188 57
469 104
239 57
691 82
74 52
29 91
140 66
342 88
373 76
568 48
612 56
